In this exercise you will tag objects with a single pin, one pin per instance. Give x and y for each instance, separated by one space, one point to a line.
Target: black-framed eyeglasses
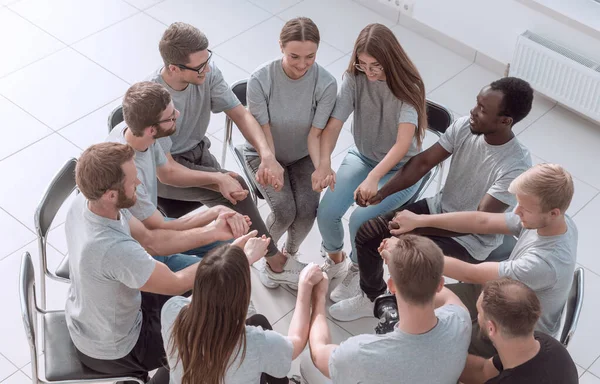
202 66
171 119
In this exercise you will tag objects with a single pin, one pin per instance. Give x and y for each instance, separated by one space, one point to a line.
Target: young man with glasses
198 88
149 114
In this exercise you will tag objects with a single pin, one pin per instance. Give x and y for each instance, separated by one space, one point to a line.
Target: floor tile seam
585 205
245 30
23 246
536 120
281 318
452 77
142 10
20 222
578 178
110 25
322 40
101 66
28 145
13 364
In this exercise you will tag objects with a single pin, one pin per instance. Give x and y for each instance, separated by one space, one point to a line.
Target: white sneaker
336 271
349 287
261 266
352 309
251 310
290 274
297 255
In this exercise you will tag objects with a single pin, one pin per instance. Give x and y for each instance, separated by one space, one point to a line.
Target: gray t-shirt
437 356
546 265
291 107
377 113
146 163
266 351
108 267
478 168
195 104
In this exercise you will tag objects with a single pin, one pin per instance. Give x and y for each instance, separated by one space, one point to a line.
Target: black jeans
199 158
372 233
261 321
147 354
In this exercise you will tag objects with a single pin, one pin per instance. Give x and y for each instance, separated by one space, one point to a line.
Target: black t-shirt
552 364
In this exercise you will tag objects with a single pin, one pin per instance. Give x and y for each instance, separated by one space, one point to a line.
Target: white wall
492 26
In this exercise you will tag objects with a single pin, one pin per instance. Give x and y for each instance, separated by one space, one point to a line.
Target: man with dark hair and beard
486 158
117 288
149 114
508 312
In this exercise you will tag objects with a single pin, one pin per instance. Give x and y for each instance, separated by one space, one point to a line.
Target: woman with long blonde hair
387 95
208 338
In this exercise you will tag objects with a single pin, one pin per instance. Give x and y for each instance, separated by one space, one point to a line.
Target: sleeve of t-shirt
325 104
222 97
127 262
166 144
170 311
449 139
497 363
276 354
143 207
499 190
513 222
344 104
531 269
159 155
257 98
343 364
408 114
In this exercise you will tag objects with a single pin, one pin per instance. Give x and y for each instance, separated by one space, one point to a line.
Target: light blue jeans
180 261
333 206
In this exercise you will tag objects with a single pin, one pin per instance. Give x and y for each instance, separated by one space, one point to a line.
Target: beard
475 132
482 334
124 202
164 132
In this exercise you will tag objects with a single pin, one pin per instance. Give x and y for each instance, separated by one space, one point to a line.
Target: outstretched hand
403 222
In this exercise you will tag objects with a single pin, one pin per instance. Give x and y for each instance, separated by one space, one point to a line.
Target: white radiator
560 74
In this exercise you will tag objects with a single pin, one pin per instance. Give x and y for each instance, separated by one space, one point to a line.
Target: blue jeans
333 206
180 261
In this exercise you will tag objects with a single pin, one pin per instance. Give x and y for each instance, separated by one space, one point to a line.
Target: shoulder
324 77
171 309
265 69
452 313
156 76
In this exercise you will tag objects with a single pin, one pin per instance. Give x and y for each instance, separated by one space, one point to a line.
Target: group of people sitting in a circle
149 292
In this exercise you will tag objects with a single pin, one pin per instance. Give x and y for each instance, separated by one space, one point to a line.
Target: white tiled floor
68 62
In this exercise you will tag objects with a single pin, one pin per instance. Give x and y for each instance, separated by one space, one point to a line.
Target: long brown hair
401 75
208 331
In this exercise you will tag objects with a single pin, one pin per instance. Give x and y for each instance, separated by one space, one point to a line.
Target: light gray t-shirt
437 356
146 163
291 107
478 168
266 351
195 104
377 113
546 265
108 267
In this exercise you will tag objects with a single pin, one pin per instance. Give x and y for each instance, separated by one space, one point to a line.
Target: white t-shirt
266 351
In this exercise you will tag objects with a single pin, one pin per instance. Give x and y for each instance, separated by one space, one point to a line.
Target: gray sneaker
290 274
336 271
349 287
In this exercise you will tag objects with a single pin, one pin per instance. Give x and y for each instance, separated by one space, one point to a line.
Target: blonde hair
551 183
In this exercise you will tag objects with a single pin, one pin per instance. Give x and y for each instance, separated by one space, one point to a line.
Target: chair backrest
239 89
115 118
29 308
59 189
573 307
439 118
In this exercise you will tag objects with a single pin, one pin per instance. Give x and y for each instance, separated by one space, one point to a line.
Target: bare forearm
252 131
471 273
319 329
197 220
460 222
314 149
269 136
474 372
298 331
328 140
165 242
406 176
391 159
180 176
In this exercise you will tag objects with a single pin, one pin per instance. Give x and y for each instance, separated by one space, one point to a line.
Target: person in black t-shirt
508 311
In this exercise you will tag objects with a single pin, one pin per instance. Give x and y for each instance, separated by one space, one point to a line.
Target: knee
328 212
242 182
284 214
365 234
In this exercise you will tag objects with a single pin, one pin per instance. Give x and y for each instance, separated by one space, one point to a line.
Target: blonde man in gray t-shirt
543 258
291 98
